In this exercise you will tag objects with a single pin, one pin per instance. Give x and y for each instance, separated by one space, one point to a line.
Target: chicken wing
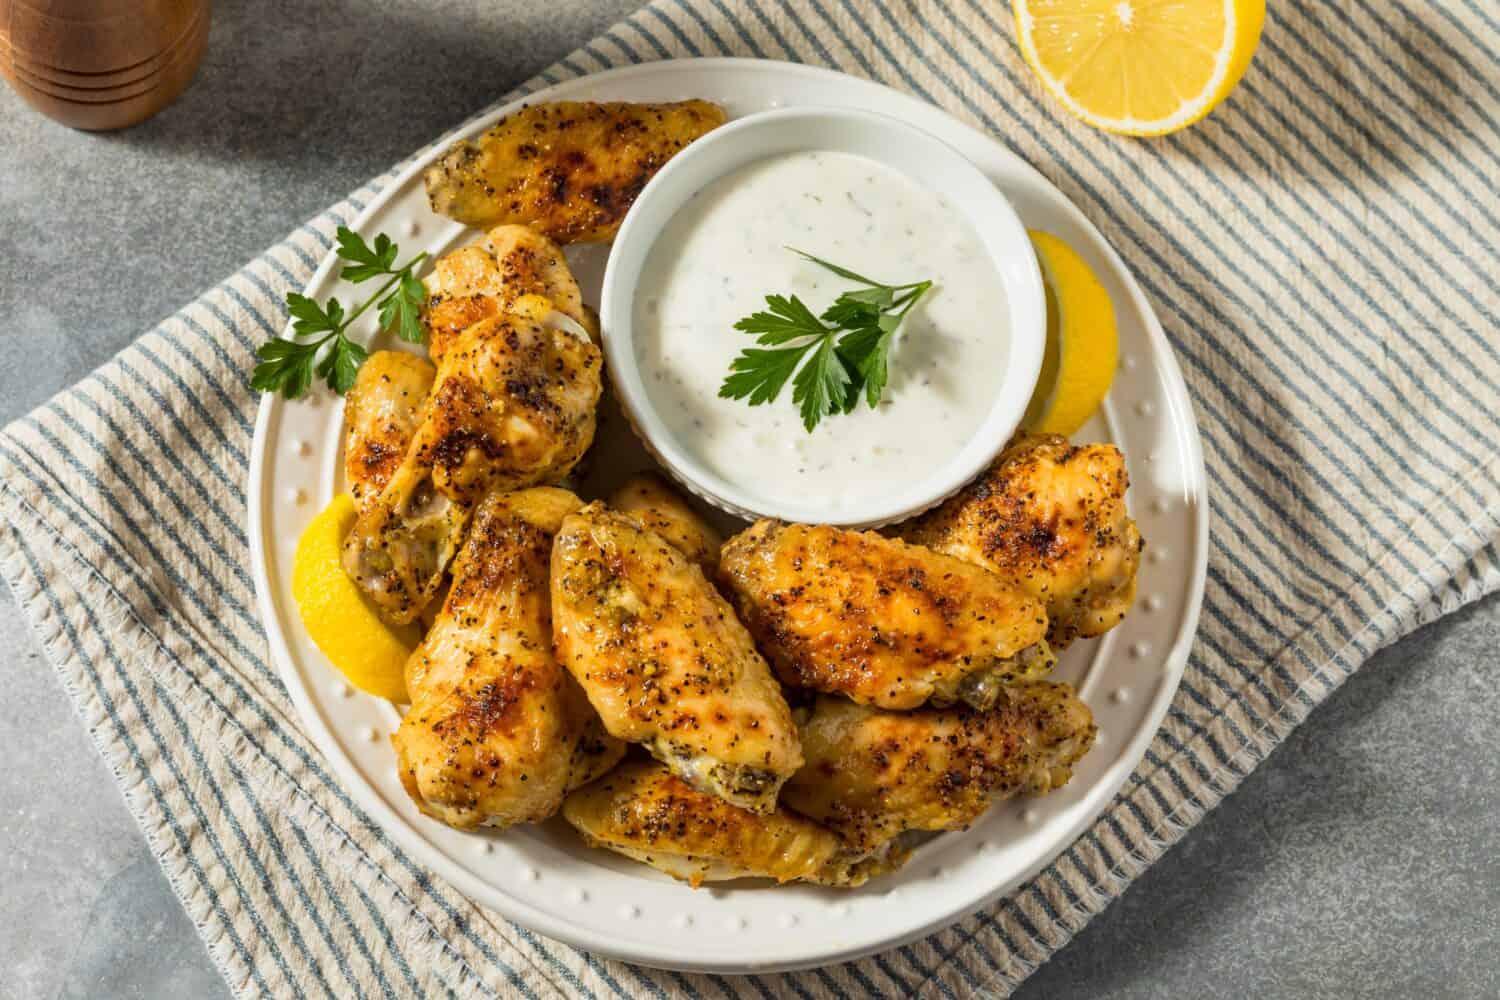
498 732
491 276
880 621
650 499
381 414
665 662
513 406
872 776
645 812
571 170
1050 517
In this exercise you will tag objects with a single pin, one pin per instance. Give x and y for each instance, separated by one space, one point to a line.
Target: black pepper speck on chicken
665 661
659 506
645 812
513 406
498 732
1049 517
880 621
381 415
569 169
873 776
490 276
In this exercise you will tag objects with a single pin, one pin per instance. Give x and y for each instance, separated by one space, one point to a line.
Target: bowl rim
981 203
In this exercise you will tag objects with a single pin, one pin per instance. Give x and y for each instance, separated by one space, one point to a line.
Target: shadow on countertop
295 105
366 83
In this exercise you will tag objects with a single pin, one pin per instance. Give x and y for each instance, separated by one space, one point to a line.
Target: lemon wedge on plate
366 650
1078 363
1139 67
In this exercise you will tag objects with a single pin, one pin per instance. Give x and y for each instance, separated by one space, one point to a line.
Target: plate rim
480 893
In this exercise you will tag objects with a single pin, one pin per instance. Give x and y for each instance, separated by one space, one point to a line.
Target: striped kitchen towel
1321 252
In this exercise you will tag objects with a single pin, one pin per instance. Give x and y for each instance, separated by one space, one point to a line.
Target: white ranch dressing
726 250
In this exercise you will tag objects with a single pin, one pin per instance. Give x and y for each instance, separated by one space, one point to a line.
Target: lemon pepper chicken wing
879 621
649 499
872 776
513 406
498 732
664 660
645 812
380 417
1049 517
569 169
492 276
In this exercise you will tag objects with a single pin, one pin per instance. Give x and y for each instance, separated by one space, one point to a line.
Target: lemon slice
1139 67
1082 346
366 650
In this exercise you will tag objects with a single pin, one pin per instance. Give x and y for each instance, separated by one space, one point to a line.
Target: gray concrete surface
1360 860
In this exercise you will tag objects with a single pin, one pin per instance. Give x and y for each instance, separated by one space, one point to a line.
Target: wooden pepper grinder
101 64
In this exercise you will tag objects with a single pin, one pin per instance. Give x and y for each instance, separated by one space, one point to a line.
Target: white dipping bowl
921 158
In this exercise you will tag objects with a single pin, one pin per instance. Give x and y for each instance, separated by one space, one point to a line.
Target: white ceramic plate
543 877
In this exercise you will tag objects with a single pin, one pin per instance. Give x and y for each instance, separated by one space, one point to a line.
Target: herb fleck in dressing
727 249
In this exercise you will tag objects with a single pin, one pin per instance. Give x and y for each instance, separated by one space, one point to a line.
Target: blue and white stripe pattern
1322 252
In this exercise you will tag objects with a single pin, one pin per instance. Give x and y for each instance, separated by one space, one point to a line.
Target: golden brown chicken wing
570 170
513 406
665 662
490 276
381 414
498 732
653 501
645 812
1049 517
880 621
872 776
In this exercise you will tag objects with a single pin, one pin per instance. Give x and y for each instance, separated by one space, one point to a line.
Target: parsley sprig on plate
288 365
847 348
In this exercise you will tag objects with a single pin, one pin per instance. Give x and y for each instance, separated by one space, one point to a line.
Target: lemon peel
1139 67
1082 347
370 653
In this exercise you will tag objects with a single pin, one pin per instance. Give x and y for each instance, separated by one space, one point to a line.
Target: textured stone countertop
1361 859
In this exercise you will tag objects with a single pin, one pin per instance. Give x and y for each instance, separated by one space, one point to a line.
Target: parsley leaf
867 351
842 272
402 309
850 313
760 374
312 318
367 262
288 364
832 360
787 319
821 386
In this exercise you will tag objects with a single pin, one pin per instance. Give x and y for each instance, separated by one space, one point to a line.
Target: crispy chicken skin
650 499
664 660
570 170
513 406
645 812
498 732
879 621
1050 517
872 775
381 414
490 276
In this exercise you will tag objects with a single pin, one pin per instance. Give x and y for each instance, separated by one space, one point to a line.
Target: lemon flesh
1082 344
1139 67
343 624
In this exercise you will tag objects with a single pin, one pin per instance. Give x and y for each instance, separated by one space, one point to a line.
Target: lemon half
343 624
1078 364
1139 67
